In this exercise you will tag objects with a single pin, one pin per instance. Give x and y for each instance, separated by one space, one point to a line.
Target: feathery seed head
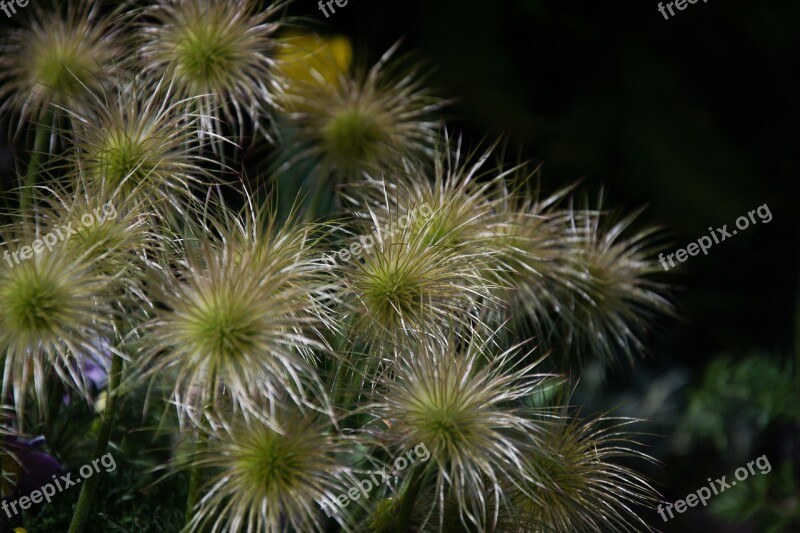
457 189
535 257
273 474
240 319
53 58
218 54
55 309
401 288
136 142
113 231
353 124
465 403
610 310
579 486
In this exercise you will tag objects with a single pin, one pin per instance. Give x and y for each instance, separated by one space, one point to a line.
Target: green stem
90 487
313 208
39 143
196 478
410 498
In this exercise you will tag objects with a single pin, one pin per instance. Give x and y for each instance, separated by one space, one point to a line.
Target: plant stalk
195 481
39 144
90 487
410 498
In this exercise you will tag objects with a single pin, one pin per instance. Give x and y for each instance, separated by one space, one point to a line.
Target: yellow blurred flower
309 58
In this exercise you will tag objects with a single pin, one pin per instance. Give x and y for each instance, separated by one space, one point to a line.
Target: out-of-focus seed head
609 312
579 486
56 55
353 124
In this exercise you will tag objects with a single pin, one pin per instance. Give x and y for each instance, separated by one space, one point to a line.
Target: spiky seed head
463 400
219 54
135 142
54 57
580 486
270 475
400 287
113 231
456 189
536 256
56 307
611 310
238 322
362 122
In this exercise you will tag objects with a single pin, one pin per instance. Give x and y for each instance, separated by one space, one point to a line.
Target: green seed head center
352 136
61 68
33 303
122 155
205 58
225 334
273 464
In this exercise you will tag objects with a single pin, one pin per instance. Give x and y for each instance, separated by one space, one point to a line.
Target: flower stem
39 143
90 487
410 498
195 479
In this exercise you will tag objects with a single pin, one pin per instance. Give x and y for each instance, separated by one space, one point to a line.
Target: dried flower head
238 320
55 57
57 305
401 286
115 231
218 54
610 311
135 142
365 122
464 401
579 485
273 475
457 189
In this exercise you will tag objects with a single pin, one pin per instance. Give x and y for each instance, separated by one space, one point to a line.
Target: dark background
695 117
